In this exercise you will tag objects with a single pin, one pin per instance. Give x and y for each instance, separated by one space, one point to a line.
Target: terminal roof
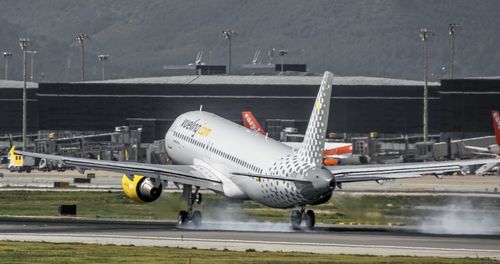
267 80
16 84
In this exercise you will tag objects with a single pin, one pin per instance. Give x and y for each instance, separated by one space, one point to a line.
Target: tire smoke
226 215
461 217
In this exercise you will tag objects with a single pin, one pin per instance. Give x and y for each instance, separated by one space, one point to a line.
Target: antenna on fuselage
201 108
267 134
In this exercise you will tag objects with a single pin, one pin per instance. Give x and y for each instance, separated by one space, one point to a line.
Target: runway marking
469 92
182 239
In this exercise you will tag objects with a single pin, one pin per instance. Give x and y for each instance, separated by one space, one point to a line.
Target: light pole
425 35
452 28
270 53
228 34
282 54
23 43
103 58
32 56
7 55
81 39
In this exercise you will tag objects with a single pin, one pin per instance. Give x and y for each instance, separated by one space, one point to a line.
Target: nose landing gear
191 198
297 216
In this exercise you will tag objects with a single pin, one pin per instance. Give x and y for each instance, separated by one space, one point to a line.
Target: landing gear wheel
310 219
296 218
191 198
196 218
183 217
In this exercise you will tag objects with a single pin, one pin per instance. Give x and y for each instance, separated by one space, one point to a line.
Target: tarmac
385 241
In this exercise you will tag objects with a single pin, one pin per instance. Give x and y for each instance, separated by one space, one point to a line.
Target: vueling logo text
195 127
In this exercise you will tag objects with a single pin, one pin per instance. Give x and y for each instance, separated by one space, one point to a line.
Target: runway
324 239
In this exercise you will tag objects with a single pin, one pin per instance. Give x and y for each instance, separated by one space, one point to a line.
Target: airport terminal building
11 106
360 105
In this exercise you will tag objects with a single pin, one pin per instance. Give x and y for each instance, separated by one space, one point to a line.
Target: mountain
370 38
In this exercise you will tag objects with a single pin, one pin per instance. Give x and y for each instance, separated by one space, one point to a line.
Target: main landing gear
298 216
191 198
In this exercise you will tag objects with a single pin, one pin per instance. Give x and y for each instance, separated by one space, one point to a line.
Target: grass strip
41 252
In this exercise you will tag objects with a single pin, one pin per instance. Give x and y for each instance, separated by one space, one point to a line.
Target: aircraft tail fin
496 125
311 150
251 123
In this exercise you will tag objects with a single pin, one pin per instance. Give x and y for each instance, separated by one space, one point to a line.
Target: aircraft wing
382 172
480 151
183 174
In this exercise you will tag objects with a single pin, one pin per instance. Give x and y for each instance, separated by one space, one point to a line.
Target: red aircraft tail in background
251 123
332 156
344 150
496 125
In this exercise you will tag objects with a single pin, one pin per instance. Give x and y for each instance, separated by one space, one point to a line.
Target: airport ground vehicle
20 163
49 165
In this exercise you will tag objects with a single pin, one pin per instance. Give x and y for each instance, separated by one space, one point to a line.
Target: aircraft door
210 149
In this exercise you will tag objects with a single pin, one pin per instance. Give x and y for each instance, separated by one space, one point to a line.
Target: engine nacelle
331 161
141 189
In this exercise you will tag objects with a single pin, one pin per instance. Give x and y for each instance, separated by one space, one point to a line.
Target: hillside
371 38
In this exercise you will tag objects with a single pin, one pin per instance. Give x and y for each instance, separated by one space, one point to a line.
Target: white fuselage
223 147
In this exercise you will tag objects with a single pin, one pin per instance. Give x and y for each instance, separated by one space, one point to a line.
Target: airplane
492 150
335 153
214 153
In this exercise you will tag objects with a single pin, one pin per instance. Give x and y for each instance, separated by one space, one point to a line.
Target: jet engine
354 160
141 189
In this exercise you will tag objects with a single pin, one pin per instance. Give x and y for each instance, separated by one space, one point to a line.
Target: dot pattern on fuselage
285 194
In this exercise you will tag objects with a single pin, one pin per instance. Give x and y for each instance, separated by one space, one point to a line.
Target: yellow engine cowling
141 189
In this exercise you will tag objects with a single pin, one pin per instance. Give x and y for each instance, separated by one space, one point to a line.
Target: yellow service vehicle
20 163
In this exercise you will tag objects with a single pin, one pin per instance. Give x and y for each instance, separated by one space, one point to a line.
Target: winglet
496 125
311 150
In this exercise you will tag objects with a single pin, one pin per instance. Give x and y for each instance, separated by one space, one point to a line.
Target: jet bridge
122 144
